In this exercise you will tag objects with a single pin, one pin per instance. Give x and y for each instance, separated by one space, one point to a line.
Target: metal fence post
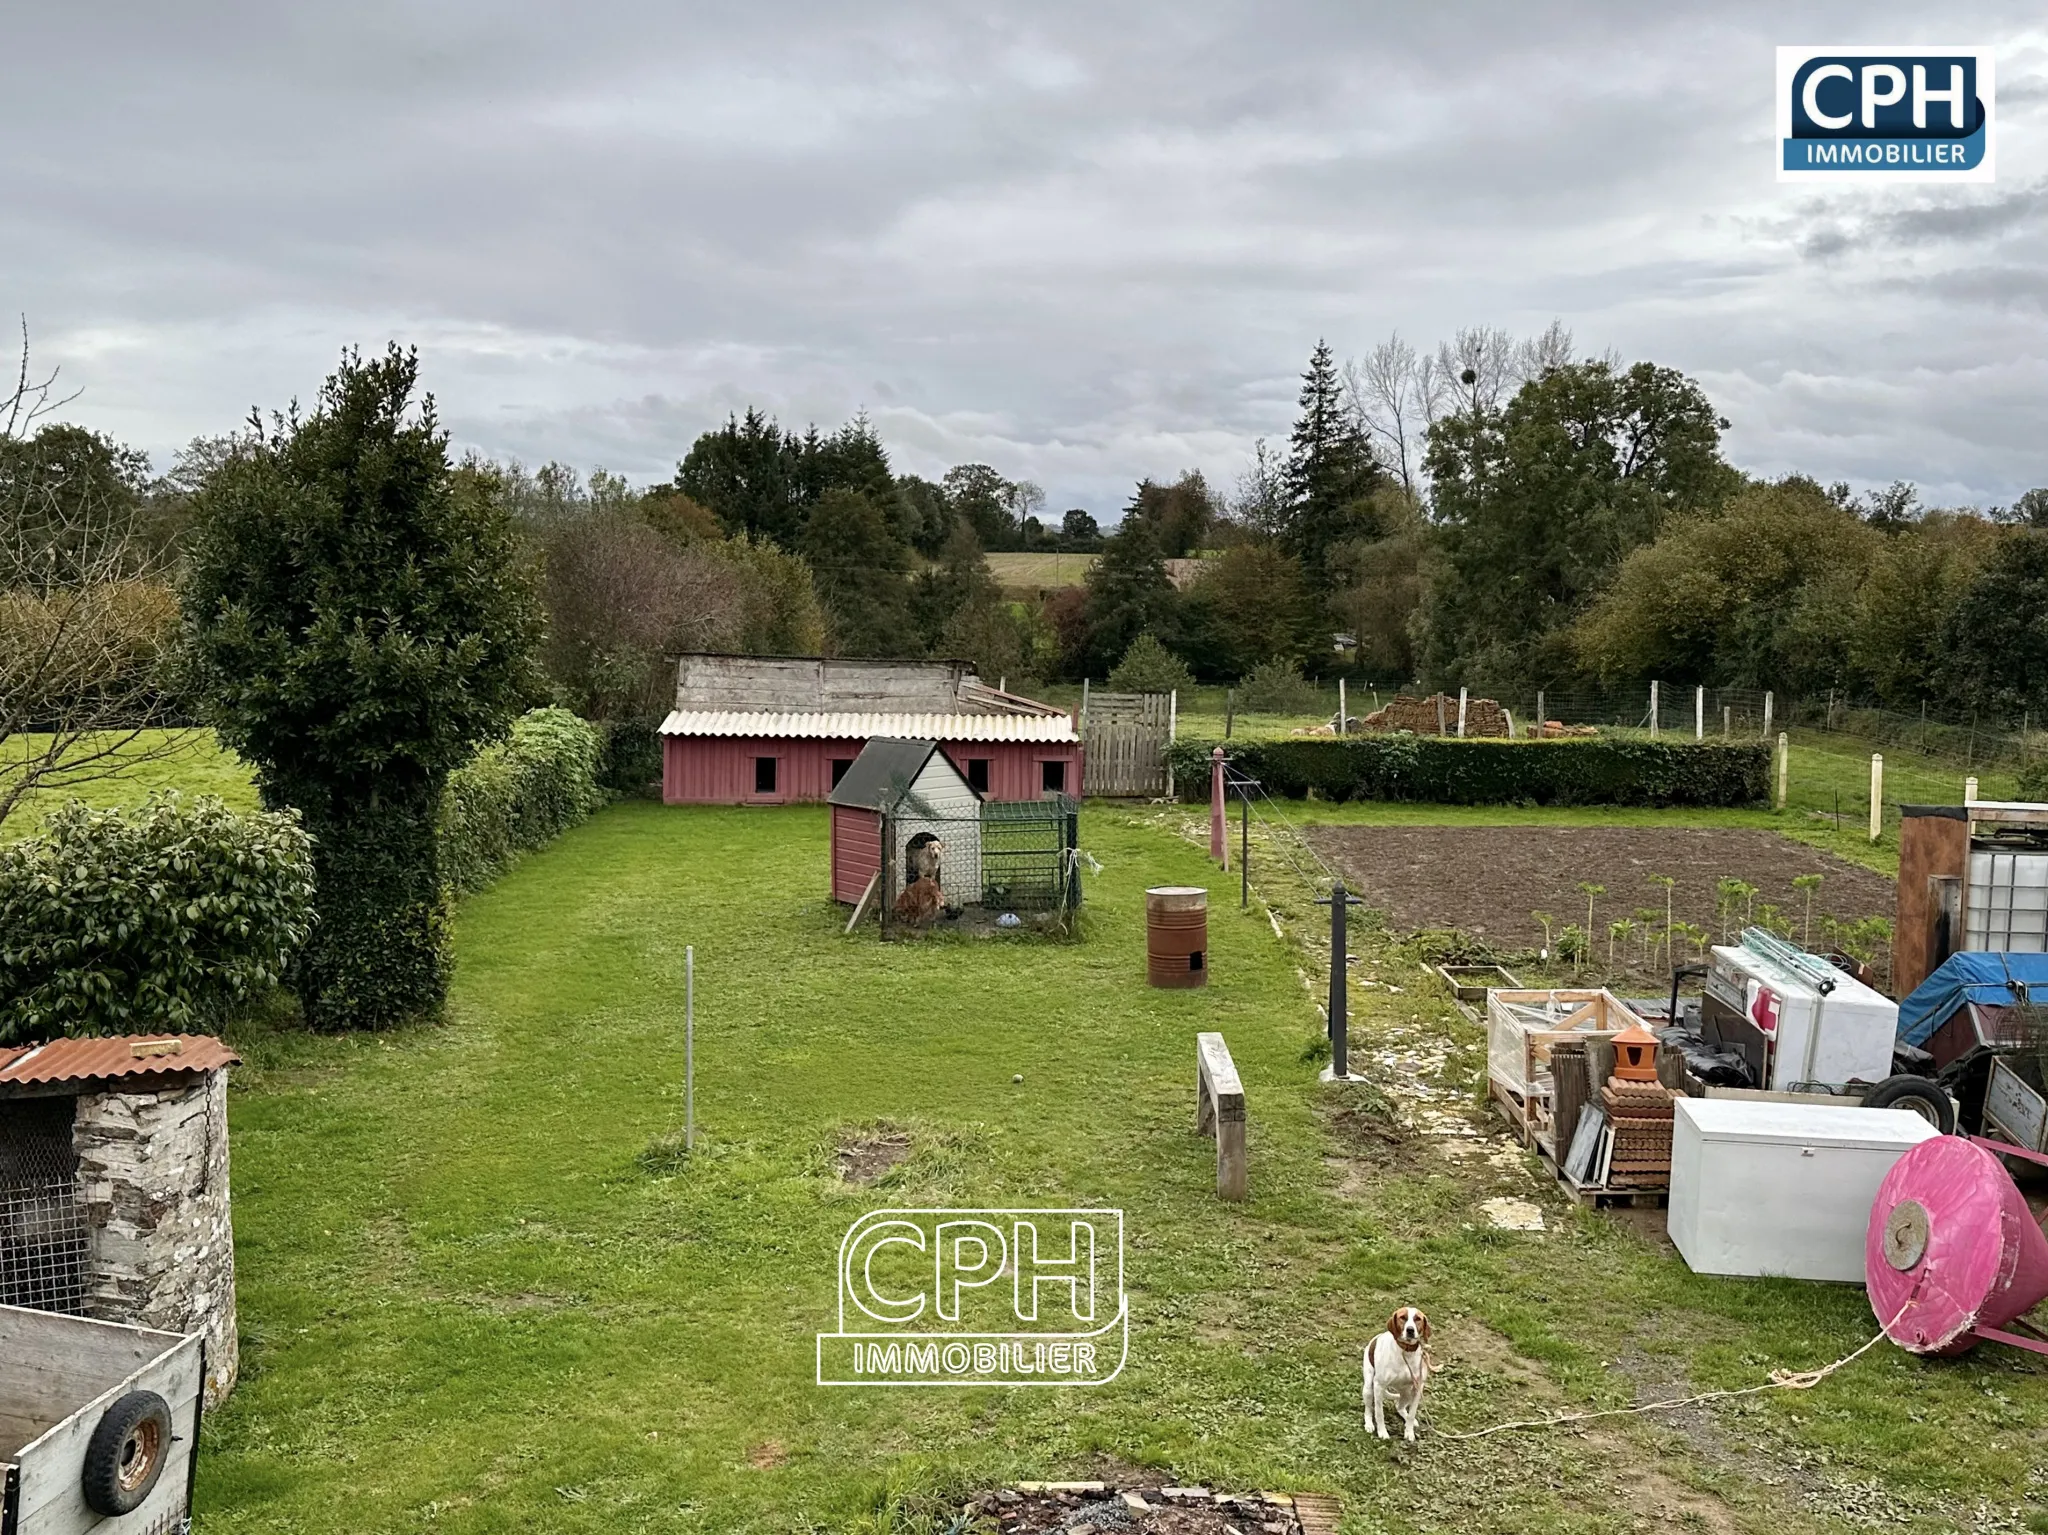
689 1047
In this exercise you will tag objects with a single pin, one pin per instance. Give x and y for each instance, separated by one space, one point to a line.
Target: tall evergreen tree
1128 594
862 573
1329 476
744 472
358 621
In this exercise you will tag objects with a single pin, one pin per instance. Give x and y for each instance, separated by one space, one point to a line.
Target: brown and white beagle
1397 1367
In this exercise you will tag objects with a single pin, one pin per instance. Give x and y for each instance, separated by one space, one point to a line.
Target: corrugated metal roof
824 725
124 1055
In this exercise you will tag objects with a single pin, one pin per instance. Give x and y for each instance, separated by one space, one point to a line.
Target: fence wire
43 1234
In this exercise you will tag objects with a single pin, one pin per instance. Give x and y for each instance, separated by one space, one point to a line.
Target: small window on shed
839 767
977 774
764 775
1052 777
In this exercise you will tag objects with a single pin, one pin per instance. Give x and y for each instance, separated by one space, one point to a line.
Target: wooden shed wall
719 770
856 851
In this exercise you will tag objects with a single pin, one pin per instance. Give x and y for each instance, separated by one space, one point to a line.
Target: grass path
470 1304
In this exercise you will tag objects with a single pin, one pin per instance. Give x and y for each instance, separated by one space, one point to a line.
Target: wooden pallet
1511 1107
1318 1513
1597 1198
1614 1199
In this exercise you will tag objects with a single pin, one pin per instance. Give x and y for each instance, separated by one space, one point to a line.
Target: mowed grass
190 761
471 1302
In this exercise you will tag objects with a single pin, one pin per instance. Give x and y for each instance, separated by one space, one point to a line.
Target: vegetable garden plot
1490 880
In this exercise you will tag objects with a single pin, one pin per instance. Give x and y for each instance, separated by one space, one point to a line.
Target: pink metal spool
1952 1253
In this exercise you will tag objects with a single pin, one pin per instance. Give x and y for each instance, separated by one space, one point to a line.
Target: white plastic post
1699 714
1509 716
1461 713
1768 701
1653 708
1343 724
1876 795
1784 766
1969 791
689 1047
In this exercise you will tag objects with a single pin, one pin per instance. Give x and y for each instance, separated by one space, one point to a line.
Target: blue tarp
1993 979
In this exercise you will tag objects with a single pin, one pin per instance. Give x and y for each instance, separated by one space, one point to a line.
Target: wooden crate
1523 1026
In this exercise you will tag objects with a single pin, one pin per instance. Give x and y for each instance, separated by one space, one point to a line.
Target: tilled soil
1487 880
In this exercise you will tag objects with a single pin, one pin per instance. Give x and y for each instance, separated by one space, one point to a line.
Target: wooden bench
1219 1111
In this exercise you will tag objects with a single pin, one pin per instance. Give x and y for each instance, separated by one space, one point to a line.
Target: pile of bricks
1642 1116
1437 715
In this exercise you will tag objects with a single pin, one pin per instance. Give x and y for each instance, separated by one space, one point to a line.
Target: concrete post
1876 795
1540 716
1461 713
1699 714
1653 709
1343 724
1784 765
1970 791
1769 699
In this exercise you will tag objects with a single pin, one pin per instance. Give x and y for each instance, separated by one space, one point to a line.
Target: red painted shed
752 730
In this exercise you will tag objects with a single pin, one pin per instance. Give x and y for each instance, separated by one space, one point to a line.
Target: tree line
1503 515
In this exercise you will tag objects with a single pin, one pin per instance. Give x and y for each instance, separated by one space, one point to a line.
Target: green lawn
472 1302
191 761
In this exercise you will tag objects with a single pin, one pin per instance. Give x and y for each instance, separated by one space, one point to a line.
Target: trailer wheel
1916 1095
127 1453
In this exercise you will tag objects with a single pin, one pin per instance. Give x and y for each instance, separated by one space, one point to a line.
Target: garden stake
689 1047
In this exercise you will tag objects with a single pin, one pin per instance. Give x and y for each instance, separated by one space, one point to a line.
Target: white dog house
914 789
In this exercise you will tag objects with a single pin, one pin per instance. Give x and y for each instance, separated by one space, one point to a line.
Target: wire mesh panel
1027 855
43 1236
1005 857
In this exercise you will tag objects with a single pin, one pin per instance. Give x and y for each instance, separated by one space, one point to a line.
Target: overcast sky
1083 243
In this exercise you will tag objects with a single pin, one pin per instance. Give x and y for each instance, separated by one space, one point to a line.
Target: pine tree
1330 474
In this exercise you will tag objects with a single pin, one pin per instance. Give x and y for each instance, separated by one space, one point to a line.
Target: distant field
1027 573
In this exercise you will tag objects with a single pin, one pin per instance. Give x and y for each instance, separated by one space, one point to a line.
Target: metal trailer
99 1426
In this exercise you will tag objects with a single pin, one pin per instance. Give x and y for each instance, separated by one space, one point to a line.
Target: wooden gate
1125 736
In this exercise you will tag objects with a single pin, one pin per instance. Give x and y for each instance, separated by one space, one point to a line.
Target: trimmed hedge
164 917
1584 770
518 795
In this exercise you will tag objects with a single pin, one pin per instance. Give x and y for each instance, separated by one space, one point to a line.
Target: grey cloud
1086 243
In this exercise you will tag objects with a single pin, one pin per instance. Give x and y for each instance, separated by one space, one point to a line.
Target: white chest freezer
1780 1188
1842 1036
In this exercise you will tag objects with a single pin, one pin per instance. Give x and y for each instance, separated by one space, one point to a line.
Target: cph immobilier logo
1908 113
979 1298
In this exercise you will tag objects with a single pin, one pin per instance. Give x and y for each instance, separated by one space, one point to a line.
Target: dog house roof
885 769
123 1057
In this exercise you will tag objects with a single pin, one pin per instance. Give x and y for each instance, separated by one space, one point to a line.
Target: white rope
1781 1380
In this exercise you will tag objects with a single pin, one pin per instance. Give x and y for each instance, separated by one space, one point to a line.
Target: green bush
1276 687
1573 771
1149 667
2033 780
518 795
632 757
164 917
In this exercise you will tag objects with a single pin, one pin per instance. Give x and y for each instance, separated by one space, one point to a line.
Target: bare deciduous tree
1396 392
85 622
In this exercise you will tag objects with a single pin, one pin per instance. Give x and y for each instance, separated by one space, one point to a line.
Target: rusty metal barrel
1177 935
